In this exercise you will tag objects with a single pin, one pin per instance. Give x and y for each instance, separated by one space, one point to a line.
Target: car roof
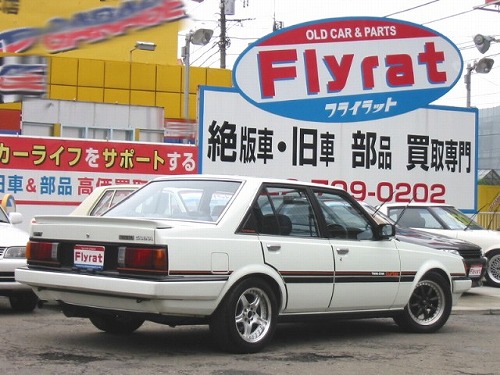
417 205
118 187
253 179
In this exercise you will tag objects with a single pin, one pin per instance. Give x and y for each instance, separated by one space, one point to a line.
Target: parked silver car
13 255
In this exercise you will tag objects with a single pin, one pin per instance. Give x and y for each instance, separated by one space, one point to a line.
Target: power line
447 17
408 9
205 52
209 57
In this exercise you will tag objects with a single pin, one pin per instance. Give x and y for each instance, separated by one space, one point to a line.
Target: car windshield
3 216
378 216
455 219
343 213
199 200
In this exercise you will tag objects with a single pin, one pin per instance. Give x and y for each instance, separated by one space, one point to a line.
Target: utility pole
222 41
467 80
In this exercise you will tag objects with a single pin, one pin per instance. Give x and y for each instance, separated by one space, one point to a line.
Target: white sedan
447 220
245 253
12 255
103 198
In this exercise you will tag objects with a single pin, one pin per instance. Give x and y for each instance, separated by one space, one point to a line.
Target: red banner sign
96 156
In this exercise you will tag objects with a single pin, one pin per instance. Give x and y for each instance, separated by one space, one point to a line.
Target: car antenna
384 202
493 216
473 216
404 209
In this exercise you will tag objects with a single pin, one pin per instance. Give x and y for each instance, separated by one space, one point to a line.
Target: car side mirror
386 230
15 217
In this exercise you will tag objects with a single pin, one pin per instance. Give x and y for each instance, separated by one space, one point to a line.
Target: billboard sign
347 69
104 30
57 174
427 155
22 77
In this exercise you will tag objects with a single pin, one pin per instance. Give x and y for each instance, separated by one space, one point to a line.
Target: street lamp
483 42
145 46
482 66
199 37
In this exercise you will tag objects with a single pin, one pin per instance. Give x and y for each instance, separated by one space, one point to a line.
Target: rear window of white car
199 200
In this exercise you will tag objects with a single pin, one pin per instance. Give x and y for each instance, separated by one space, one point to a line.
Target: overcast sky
455 19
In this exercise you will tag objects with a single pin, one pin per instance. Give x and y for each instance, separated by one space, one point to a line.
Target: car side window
3 216
103 204
283 211
414 217
343 219
120 195
411 217
430 221
109 199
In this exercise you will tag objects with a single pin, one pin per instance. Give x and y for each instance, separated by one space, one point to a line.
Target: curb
473 311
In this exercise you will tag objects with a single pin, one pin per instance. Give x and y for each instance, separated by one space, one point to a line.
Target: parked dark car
475 261
445 219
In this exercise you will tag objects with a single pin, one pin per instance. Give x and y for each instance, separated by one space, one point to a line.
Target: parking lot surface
483 300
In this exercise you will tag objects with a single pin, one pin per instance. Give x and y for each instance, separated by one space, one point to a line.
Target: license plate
88 257
475 270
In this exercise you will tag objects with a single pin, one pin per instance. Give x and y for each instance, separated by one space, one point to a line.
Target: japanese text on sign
96 156
230 143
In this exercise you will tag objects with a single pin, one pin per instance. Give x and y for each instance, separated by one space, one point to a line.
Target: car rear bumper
470 264
180 296
461 285
12 286
8 282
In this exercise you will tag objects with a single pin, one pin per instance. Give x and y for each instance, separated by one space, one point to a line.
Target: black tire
23 302
492 274
429 306
116 324
245 320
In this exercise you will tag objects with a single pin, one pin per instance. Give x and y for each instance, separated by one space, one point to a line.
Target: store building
87 51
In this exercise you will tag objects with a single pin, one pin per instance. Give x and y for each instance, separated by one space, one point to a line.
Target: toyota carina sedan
239 254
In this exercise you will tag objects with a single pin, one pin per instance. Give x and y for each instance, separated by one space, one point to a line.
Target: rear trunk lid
96 229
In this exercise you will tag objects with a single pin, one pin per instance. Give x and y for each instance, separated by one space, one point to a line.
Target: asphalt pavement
479 300
484 300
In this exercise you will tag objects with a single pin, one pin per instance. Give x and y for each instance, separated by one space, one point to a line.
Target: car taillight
466 266
142 259
41 252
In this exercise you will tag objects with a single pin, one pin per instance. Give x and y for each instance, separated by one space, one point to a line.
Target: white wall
38 113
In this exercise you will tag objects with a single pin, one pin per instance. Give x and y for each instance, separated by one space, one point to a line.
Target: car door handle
273 247
343 251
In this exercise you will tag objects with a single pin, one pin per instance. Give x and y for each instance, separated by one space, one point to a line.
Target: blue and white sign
344 70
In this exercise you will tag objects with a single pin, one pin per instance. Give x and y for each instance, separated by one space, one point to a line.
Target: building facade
87 51
489 138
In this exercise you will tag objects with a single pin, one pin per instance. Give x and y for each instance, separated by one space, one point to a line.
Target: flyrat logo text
347 69
276 66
